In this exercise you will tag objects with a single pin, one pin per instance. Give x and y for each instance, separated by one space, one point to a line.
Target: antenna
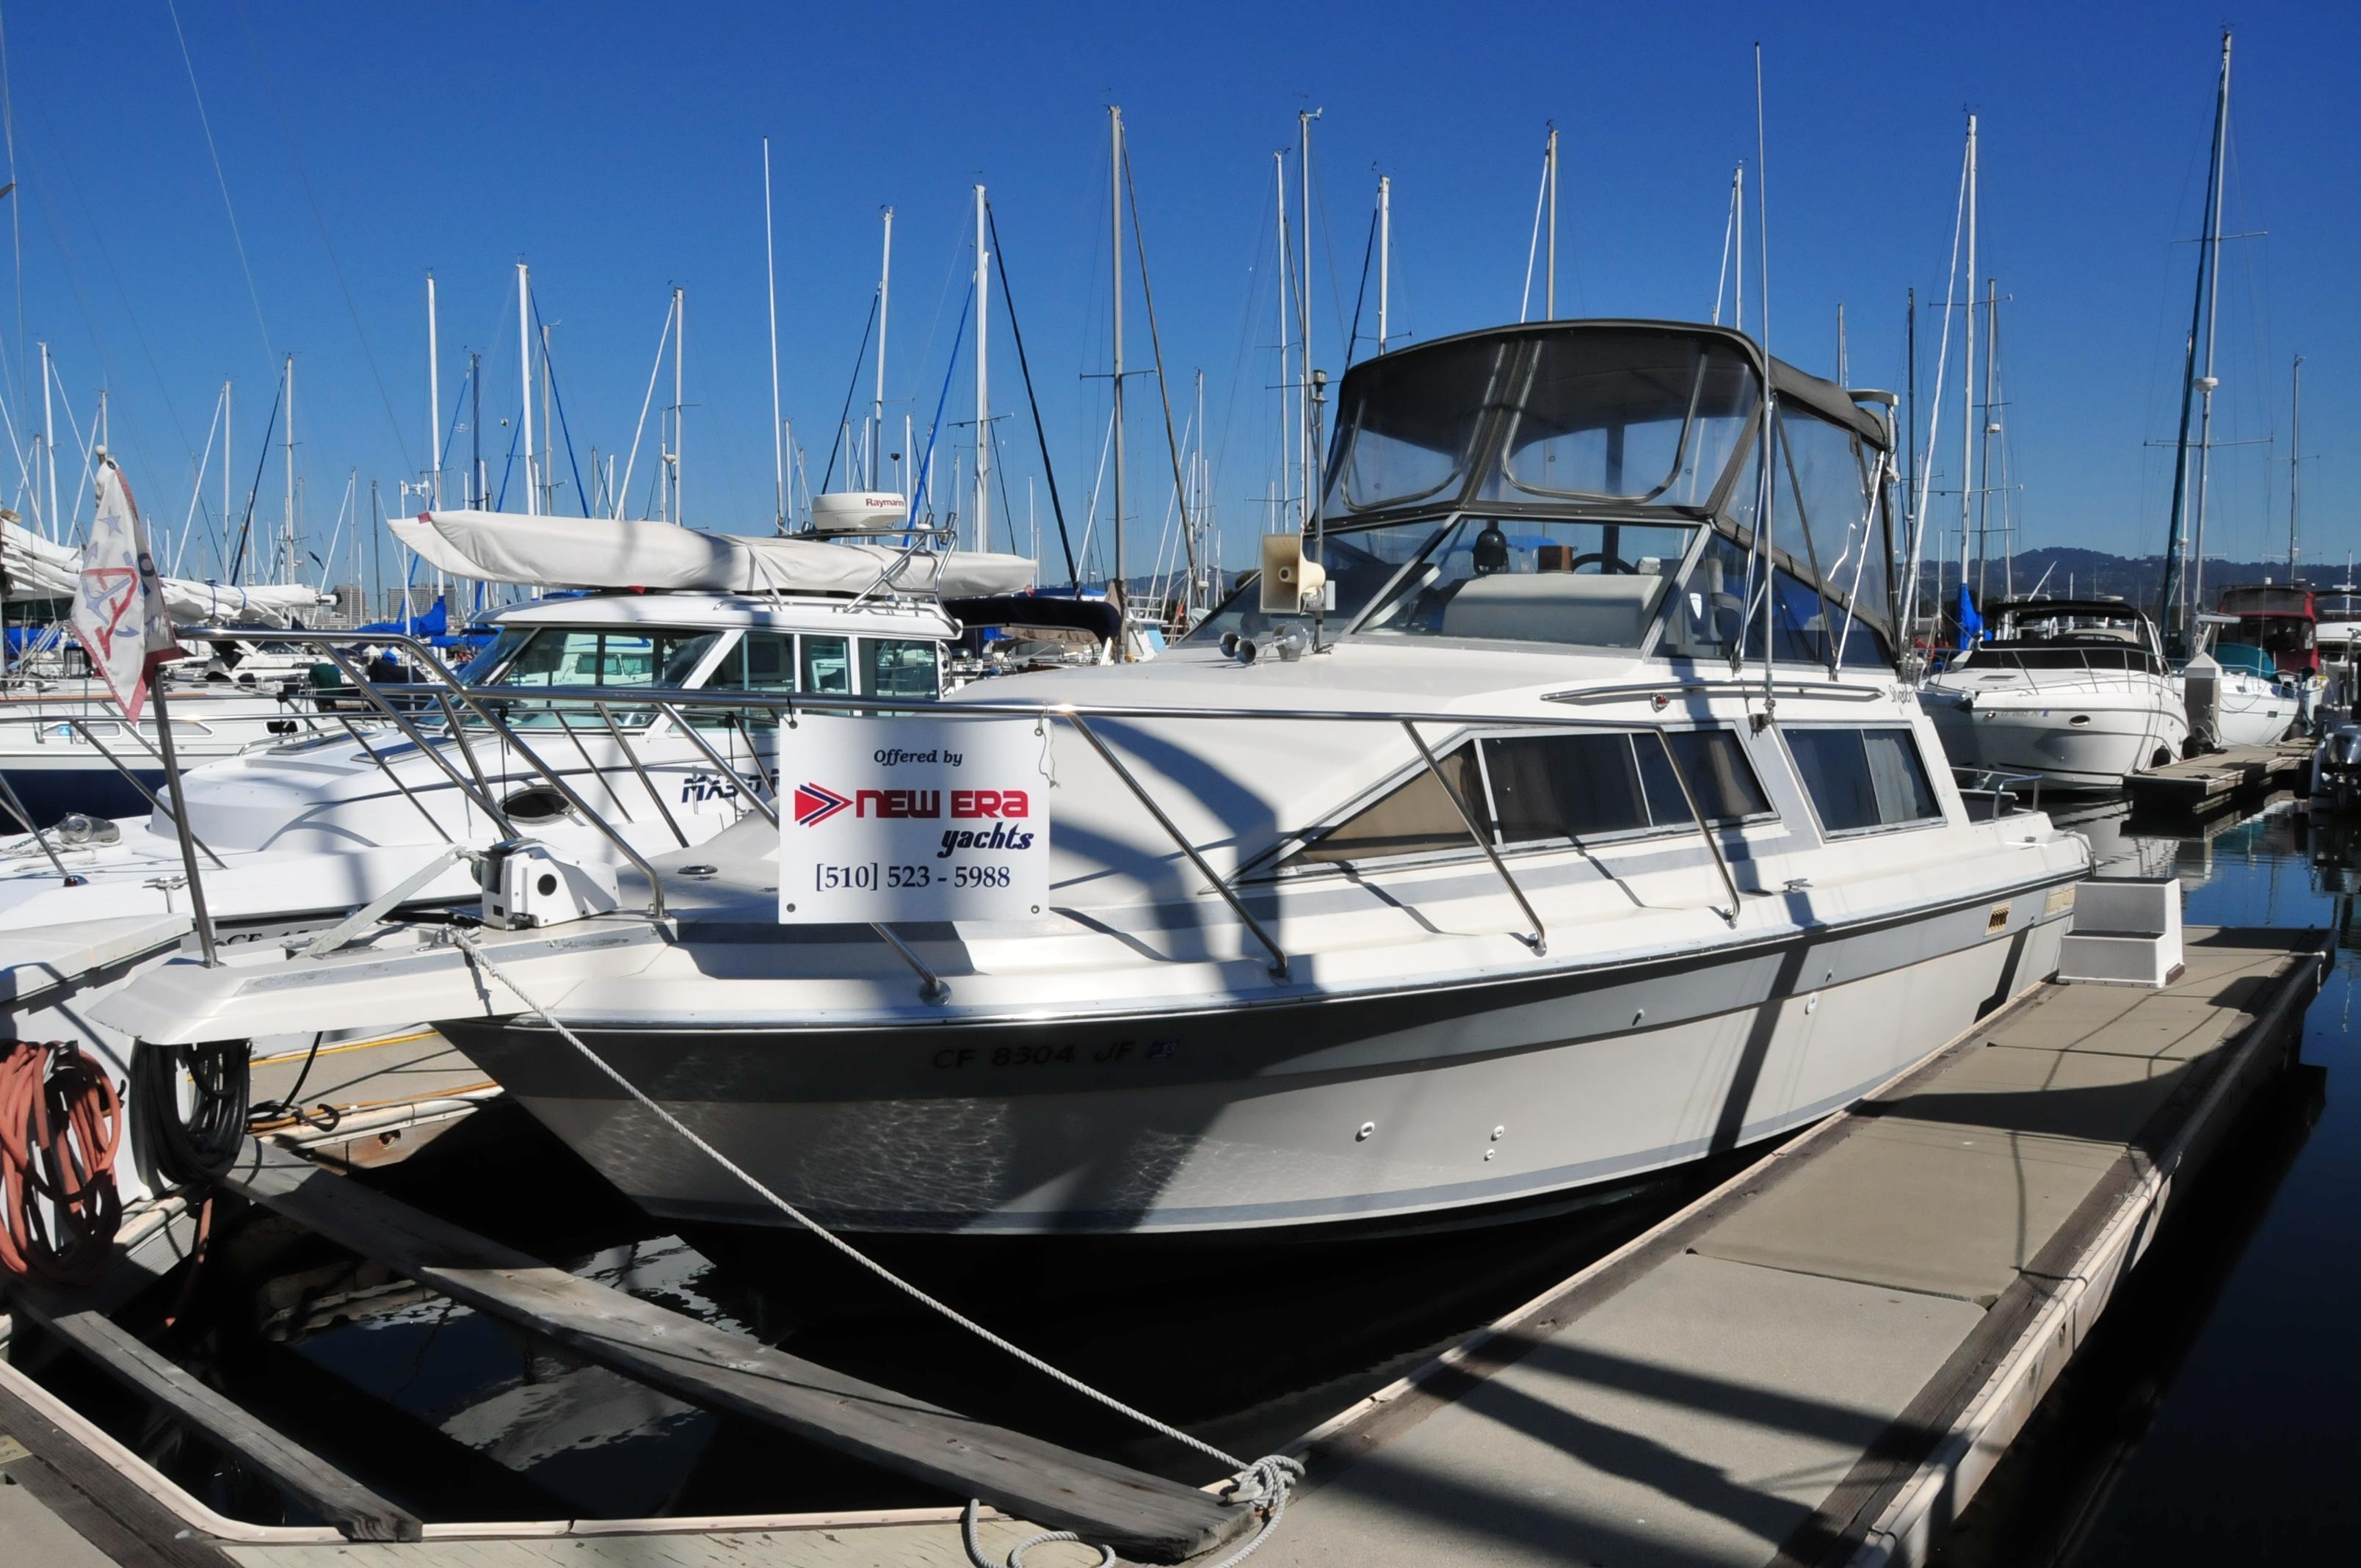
1770 403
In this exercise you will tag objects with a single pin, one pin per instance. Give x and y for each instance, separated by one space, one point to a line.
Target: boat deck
1819 1361
2217 779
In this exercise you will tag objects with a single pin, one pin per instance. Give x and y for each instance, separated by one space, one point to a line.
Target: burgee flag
118 611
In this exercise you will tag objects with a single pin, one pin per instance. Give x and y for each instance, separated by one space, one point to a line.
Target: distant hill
2140 578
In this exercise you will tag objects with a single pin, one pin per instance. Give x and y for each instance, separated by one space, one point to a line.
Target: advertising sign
894 819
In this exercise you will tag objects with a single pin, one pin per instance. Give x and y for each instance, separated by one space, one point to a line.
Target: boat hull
1411 1107
2074 742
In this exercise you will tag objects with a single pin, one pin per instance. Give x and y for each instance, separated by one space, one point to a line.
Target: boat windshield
1593 585
1407 426
625 660
1360 562
1630 417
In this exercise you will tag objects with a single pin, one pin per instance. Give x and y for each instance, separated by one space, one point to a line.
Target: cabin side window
1865 778
1415 818
826 667
1540 789
900 666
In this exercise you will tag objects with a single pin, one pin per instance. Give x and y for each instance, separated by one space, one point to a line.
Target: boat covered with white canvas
1589 832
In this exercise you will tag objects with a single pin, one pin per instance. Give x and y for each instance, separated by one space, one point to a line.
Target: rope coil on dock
60 1123
1263 1484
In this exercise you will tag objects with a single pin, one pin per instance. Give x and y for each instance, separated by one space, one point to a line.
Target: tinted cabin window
1715 766
1414 818
1863 778
1564 786
1573 787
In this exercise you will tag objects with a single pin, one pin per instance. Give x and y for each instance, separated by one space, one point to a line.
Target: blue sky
616 148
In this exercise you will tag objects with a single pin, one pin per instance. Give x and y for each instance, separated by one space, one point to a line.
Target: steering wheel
1603 558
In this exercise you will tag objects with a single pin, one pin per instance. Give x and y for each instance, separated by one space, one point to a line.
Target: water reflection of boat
2116 850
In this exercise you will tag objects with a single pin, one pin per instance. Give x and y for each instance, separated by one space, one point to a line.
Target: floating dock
2217 779
1821 1361
1818 1361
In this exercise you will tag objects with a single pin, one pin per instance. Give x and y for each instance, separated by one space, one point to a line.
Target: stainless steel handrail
475 698
1539 940
1228 893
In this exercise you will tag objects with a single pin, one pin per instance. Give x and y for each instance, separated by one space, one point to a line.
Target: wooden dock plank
354 1509
1141 1515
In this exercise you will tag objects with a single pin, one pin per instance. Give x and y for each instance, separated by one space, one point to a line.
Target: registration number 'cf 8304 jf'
916 819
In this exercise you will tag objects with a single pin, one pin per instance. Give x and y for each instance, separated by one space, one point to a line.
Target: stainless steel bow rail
446 717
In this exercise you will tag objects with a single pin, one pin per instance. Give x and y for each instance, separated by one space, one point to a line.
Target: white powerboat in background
391 805
1588 833
2075 691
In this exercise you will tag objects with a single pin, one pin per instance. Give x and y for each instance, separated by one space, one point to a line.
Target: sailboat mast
2175 603
1984 443
679 400
1306 439
877 405
770 285
434 402
1286 370
1549 284
980 512
1385 253
1968 377
50 452
2295 469
1115 259
475 476
287 543
1738 252
2208 381
524 370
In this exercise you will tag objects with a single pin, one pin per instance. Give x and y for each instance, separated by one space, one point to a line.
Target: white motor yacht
2075 692
1590 831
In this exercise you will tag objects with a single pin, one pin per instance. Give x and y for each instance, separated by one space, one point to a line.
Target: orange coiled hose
61 1121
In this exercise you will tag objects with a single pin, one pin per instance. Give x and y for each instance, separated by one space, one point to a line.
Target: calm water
2211 1418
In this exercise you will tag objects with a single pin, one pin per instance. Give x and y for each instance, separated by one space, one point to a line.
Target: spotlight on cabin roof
858 512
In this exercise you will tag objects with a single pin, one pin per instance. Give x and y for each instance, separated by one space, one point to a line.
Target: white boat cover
606 552
38 569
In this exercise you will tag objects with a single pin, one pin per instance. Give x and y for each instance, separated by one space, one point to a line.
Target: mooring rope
1263 1484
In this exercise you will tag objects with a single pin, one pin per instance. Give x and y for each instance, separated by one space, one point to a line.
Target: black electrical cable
195 1150
290 1108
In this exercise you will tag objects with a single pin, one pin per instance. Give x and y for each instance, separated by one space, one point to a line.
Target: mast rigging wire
1049 470
221 179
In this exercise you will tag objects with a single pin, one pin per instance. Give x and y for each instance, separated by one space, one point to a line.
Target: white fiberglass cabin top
1590 832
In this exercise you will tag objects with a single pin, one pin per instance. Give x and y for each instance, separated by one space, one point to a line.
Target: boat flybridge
2074 691
1541 819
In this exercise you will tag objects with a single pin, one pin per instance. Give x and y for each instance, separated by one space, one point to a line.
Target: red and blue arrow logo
815 806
